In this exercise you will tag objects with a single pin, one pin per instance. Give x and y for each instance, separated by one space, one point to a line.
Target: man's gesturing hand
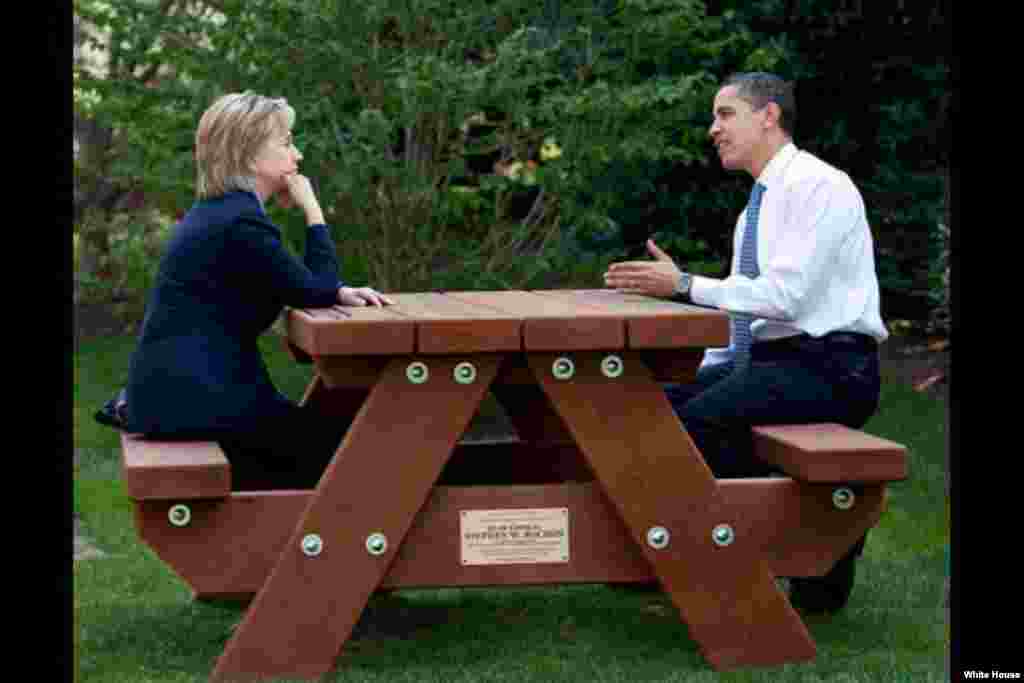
653 278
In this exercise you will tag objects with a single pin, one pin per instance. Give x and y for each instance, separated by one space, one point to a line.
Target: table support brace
653 473
303 614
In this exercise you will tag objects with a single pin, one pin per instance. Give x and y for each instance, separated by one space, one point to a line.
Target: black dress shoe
829 593
114 412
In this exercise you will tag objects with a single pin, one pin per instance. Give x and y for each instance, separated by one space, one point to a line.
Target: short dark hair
759 88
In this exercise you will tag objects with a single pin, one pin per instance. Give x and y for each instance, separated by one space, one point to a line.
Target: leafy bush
424 127
939 321
126 272
423 124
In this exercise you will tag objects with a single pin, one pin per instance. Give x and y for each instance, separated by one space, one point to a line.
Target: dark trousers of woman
290 451
799 380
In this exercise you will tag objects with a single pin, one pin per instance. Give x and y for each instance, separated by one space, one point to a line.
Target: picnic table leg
656 478
377 482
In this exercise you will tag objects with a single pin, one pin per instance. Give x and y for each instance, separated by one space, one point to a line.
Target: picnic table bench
601 484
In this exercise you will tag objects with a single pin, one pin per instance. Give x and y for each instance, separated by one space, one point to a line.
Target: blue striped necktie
741 337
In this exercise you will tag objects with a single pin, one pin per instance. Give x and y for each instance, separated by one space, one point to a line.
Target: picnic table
601 484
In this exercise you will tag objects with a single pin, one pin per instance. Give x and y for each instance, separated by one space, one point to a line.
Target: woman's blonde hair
230 135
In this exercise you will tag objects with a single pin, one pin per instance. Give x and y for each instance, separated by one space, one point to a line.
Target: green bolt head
723 535
179 515
376 543
417 372
312 545
563 368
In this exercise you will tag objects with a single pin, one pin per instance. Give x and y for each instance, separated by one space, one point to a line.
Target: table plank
653 323
170 470
551 324
445 324
543 320
351 330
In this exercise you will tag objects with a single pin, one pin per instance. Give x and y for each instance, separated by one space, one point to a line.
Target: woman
225 276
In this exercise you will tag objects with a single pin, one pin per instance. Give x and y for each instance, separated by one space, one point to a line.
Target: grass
137 622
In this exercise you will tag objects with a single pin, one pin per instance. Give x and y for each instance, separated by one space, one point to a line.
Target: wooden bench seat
814 453
166 470
830 453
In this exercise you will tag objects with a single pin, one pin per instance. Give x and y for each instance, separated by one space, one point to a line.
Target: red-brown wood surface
350 330
654 475
609 450
165 470
553 324
653 323
831 453
231 546
445 324
377 482
350 371
362 371
465 322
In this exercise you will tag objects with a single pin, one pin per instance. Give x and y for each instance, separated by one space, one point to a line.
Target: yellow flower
514 169
549 150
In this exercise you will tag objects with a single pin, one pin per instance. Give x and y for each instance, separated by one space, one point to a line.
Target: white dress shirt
815 253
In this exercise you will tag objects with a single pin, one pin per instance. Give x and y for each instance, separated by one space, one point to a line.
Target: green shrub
425 128
126 271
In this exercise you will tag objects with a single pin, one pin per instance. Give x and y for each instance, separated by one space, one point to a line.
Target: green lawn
136 621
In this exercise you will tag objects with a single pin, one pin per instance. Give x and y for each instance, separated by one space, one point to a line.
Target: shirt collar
238 197
773 170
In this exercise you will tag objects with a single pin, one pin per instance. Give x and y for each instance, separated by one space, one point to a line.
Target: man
802 294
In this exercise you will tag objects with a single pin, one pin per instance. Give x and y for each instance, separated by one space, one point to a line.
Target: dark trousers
290 451
802 379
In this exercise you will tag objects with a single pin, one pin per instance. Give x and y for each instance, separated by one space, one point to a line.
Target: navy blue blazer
224 278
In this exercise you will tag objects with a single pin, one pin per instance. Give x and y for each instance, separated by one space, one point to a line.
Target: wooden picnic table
602 483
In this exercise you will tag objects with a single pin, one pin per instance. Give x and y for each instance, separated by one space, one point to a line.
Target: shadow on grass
437 630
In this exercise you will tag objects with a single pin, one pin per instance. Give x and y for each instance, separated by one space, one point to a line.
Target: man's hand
362 296
653 278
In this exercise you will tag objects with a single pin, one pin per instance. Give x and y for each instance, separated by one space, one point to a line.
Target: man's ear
773 114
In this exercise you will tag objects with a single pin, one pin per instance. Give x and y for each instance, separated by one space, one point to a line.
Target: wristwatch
682 292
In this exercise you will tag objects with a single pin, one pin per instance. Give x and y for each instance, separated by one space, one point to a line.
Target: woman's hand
362 296
299 192
283 198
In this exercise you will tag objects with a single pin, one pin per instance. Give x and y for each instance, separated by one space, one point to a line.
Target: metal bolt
843 498
376 543
465 373
723 535
611 366
312 545
179 515
658 537
563 368
417 372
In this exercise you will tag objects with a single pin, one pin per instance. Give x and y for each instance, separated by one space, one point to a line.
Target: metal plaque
523 536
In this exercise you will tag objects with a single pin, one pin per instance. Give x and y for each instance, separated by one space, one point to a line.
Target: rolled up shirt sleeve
799 236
